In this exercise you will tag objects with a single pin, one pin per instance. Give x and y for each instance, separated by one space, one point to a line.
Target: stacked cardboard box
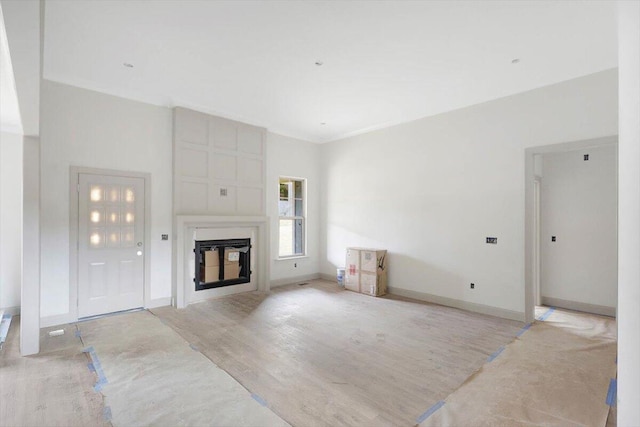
366 271
212 265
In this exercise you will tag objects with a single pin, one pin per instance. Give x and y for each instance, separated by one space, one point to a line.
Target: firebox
221 263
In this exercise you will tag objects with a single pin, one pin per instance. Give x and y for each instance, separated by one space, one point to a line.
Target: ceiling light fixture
515 61
319 63
128 65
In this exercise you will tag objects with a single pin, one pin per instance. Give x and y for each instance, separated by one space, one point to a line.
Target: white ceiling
384 62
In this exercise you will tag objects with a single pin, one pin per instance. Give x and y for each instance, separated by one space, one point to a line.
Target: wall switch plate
492 240
553 238
473 286
223 192
586 157
165 237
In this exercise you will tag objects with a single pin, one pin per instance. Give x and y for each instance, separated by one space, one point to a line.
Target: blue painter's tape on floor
259 399
194 347
78 334
106 413
97 367
5 323
611 393
430 412
496 354
524 329
546 314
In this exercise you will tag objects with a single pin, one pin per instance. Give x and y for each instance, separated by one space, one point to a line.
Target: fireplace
199 229
221 263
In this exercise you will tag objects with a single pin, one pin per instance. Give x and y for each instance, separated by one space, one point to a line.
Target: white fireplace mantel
186 225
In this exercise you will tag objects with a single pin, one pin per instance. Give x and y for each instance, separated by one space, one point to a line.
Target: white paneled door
110 244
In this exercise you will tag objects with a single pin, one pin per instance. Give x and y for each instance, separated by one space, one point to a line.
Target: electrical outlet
165 237
553 238
586 157
295 265
492 240
473 286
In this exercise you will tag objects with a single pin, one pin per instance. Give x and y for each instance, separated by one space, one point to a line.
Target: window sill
291 257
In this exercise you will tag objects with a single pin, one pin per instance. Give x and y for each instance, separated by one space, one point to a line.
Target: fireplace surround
198 228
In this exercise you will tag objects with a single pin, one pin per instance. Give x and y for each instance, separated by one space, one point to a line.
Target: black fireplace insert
221 263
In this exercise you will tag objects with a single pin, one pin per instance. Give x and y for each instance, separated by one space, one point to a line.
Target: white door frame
529 217
536 240
74 173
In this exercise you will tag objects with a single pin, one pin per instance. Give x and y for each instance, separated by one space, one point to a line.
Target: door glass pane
95 193
127 237
129 195
113 194
113 216
284 208
113 237
96 238
299 208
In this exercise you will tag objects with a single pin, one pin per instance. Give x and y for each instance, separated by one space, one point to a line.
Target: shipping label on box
232 256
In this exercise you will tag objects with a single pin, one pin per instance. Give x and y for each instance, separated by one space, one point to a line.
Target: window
291 217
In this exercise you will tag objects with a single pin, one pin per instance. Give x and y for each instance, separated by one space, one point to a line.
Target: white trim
463 305
602 310
158 302
287 258
294 280
74 173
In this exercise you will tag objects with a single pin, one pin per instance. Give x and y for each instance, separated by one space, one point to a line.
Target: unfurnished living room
319 213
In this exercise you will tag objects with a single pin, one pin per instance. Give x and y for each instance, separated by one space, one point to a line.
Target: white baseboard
158 302
13 311
57 319
328 277
463 305
294 280
602 310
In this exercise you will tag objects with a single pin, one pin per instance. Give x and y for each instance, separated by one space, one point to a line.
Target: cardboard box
210 274
366 271
373 284
231 271
212 258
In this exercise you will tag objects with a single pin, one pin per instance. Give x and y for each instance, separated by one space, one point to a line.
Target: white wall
10 220
89 129
431 190
294 158
579 205
629 215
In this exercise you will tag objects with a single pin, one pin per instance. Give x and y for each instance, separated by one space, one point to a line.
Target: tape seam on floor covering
5 322
524 329
97 367
611 393
259 399
546 314
495 354
106 413
430 411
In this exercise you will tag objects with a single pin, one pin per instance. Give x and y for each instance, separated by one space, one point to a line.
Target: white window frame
294 217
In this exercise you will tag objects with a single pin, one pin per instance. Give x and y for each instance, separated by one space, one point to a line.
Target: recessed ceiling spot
128 65
322 123
515 61
319 63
